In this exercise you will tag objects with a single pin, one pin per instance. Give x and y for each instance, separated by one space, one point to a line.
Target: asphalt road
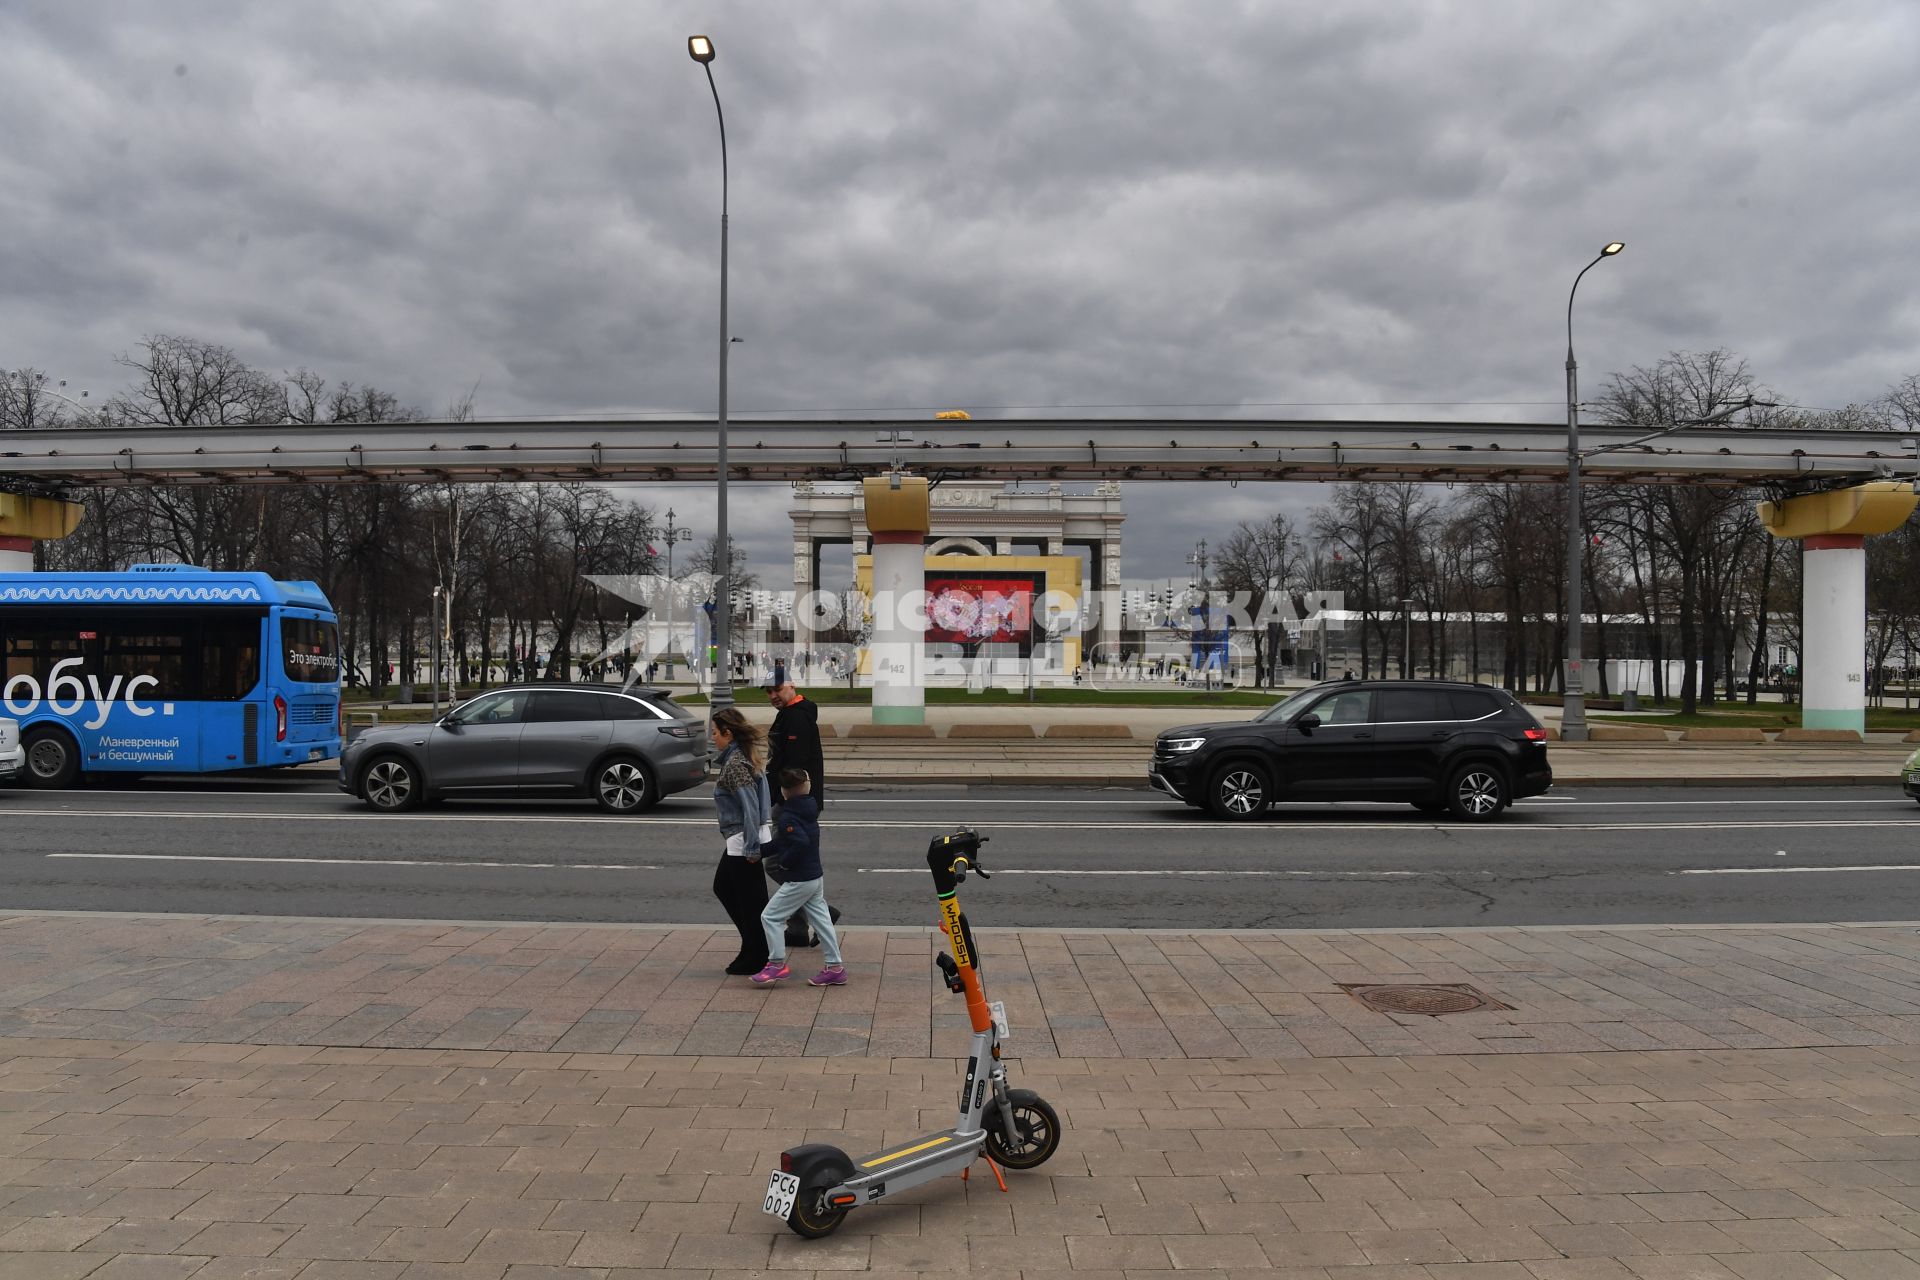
293 846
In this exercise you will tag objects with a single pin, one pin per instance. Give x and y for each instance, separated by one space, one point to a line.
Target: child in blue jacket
793 859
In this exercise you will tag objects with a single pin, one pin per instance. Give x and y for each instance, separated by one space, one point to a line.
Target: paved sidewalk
654 990
220 1162
208 1098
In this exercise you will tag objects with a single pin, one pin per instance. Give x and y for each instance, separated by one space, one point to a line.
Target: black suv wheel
1477 792
1239 791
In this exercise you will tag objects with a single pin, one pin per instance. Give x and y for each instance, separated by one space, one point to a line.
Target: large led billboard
973 610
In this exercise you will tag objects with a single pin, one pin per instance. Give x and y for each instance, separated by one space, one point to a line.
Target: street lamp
700 49
433 650
675 533
1573 717
1406 660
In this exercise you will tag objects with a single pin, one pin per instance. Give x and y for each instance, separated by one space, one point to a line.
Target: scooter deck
911 1163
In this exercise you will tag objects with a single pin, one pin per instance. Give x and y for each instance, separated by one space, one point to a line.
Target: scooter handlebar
952 856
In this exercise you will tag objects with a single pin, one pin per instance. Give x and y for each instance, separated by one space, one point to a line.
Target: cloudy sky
1280 209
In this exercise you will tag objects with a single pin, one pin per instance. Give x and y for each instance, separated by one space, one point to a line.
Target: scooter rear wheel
811 1221
811 1216
1037 1124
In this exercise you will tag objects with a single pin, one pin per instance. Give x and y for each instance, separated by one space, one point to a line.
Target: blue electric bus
167 668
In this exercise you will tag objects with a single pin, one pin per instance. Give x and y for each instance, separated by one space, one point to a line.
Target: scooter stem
948 857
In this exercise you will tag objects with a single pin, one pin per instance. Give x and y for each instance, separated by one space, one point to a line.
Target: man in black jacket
794 743
794 740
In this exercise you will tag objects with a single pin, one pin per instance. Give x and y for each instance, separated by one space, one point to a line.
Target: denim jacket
745 808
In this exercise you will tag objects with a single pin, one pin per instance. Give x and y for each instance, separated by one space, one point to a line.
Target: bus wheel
53 761
391 785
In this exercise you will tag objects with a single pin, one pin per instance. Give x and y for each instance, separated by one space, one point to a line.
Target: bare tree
1692 524
1258 562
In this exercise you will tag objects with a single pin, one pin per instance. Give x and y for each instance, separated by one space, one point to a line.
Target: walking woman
744 808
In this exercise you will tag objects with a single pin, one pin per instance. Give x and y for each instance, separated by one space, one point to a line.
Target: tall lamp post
1573 717
700 49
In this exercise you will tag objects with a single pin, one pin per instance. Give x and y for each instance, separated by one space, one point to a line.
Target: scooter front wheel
1037 1126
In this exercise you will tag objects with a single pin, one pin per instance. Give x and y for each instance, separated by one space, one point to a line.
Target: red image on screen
971 610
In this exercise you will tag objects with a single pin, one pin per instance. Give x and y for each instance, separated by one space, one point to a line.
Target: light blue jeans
809 898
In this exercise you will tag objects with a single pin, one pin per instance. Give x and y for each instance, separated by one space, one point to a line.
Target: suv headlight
1180 746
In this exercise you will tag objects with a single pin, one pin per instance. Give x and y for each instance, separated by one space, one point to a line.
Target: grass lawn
840 696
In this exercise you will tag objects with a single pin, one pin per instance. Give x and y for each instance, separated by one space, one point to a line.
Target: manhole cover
1431 1000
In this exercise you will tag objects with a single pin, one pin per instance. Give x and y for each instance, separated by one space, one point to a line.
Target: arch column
1833 528
898 520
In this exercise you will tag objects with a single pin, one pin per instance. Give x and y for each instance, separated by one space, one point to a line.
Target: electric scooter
817 1184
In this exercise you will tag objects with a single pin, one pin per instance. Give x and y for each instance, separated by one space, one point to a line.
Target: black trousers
741 887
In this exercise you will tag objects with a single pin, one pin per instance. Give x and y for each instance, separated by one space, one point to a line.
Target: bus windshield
310 649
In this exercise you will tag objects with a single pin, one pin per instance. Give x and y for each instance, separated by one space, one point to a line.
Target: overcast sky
1289 210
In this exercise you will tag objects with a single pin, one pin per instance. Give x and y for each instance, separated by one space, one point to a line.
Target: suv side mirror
1307 723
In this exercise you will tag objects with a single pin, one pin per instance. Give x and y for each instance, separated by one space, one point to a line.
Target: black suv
1467 748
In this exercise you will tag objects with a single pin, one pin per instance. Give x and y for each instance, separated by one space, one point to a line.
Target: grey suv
624 749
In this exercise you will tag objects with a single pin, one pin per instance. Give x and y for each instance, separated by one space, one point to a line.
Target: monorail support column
25 521
897 518
1833 529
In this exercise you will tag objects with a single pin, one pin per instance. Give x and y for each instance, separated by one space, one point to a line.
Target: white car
13 756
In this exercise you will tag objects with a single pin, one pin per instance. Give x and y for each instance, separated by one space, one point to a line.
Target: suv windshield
1289 705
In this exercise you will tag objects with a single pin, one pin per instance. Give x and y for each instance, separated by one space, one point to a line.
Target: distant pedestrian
743 807
792 858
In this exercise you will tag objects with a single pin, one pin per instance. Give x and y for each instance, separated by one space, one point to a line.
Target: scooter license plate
998 1012
782 1190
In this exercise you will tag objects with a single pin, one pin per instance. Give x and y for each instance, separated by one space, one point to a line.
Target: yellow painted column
898 520
1834 528
25 521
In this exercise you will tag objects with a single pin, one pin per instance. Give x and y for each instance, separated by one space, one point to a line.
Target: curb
1132 781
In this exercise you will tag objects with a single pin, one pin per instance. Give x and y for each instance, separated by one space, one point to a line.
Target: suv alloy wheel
1239 791
1477 793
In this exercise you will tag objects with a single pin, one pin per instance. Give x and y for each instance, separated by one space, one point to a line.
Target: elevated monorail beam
998 449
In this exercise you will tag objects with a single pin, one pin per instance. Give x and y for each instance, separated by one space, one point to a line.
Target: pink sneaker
834 975
775 970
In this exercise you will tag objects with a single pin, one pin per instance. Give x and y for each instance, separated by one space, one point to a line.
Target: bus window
156 649
229 658
31 648
310 651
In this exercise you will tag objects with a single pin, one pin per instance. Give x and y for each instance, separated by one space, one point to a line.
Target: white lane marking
1779 871
1169 871
1279 825
360 862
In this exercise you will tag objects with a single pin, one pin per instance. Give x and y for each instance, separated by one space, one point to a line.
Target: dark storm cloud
966 206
